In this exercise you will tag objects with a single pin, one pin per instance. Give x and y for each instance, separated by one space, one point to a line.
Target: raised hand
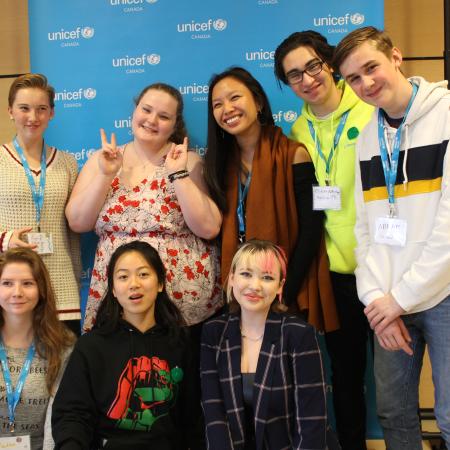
110 158
177 157
15 241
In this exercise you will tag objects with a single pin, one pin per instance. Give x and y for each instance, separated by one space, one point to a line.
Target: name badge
16 442
326 197
390 231
43 241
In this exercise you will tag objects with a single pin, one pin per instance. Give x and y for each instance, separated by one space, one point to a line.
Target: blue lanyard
337 136
240 208
390 164
13 396
36 192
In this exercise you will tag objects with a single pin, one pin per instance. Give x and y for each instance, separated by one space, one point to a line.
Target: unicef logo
357 19
220 24
290 116
87 32
153 59
89 93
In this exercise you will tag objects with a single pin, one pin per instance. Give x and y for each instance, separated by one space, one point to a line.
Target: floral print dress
150 212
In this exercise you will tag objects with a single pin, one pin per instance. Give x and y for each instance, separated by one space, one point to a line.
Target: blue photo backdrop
99 54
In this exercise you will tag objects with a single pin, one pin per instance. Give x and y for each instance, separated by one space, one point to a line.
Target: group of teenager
343 227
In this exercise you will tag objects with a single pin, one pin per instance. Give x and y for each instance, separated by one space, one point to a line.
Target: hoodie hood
428 95
348 101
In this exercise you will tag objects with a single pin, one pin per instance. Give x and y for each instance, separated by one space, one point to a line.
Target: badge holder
326 197
390 230
43 242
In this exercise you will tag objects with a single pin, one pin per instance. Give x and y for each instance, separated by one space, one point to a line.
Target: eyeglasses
296 76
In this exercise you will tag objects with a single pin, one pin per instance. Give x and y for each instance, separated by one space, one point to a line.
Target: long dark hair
220 142
51 336
167 314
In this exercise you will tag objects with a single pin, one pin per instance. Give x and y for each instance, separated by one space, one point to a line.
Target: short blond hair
379 38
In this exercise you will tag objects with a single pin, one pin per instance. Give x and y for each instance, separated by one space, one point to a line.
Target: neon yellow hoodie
339 225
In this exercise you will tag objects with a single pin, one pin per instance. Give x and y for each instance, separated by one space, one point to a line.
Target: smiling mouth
135 297
232 120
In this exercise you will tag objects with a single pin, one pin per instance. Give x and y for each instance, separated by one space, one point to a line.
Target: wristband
177 175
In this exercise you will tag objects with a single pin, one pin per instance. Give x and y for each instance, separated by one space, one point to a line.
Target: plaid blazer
289 390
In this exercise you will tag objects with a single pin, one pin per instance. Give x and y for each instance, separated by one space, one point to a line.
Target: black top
247 391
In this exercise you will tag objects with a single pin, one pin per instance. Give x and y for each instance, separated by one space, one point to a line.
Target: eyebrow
368 63
159 112
311 61
127 270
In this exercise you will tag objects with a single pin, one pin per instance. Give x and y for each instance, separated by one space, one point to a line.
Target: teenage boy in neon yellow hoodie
331 119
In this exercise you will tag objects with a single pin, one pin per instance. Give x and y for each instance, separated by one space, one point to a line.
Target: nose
367 82
307 80
32 115
134 281
151 117
228 106
255 283
17 291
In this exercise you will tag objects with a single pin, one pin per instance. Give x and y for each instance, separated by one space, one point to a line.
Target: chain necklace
256 339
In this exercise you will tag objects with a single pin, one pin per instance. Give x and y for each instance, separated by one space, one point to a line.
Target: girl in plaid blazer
261 370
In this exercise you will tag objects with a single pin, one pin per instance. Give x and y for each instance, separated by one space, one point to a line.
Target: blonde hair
31 80
267 252
378 38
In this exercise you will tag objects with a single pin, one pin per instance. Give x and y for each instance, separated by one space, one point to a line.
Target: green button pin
352 133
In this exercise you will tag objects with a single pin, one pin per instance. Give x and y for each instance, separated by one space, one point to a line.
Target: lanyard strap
242 192
337 137
13 396
390 162
36 192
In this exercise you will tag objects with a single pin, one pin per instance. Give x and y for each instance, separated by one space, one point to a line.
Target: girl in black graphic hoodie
131 383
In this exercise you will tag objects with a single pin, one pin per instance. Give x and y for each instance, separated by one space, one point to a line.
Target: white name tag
390 231
16 442
326 197
43 241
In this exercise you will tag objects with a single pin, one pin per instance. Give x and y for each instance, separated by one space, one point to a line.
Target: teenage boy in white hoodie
402 196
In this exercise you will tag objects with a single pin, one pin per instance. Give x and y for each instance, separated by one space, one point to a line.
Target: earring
261 119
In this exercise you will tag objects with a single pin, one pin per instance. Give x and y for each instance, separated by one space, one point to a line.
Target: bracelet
177 175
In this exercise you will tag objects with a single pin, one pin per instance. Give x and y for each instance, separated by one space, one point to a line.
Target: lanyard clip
392 211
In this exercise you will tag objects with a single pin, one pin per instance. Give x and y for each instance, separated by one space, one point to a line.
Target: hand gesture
396 337
15 241
110 158
382 311
177 157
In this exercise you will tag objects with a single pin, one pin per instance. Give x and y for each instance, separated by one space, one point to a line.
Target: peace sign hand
177 157
110 158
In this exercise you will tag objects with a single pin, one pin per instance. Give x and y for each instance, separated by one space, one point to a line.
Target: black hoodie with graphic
128 390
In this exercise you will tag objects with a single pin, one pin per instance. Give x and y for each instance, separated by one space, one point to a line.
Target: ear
160 287
10 112
52 113
114 292
397 57
230 279
280 289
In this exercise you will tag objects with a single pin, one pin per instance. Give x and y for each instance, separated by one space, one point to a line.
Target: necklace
256 339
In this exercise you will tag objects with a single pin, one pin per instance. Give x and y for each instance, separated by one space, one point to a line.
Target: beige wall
14 54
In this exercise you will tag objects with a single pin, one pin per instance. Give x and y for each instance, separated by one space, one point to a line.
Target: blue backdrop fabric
99 54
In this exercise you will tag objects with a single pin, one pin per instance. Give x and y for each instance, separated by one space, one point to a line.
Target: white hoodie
417 275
